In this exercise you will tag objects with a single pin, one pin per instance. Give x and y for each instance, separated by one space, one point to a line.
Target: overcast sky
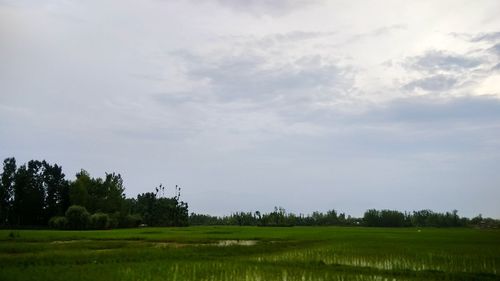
251 104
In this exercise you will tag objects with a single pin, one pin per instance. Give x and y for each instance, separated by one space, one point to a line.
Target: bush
14 235
114 219
99 221
131 221
58 222
77 217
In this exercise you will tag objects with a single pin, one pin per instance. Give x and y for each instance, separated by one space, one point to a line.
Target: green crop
251 253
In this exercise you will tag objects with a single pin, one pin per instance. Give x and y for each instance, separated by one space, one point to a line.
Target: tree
391 218
145 206
36 191
29 194
276 218
78 190
114 193
371 218
7 190
98 195
57 200
162 211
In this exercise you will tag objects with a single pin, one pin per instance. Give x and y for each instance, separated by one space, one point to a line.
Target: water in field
225 243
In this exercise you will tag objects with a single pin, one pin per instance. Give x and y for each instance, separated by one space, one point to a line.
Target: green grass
296 253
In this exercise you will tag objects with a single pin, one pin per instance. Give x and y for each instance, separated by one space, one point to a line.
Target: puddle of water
172 245
225 243
220 243
68 241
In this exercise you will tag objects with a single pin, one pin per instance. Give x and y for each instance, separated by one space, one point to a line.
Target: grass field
251 253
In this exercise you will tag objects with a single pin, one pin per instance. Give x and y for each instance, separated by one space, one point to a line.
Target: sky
250 104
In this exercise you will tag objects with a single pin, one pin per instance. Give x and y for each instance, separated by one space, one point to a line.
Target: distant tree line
278 217
38 194
371 218
393 218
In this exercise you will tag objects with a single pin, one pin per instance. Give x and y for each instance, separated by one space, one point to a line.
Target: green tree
98 195
7 190
371 218
29 194
78 190
157 210
391 218
145 206
114 193
57 200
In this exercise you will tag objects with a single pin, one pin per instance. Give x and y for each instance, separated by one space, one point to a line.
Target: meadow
251 253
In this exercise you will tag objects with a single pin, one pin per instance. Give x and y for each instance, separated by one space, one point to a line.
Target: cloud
448 72
435 60
481 110
489 37
286 98
381 31
388 29
441 133
292 37
266 7
258 78
436 83
20 3
477 37
246 98
495 49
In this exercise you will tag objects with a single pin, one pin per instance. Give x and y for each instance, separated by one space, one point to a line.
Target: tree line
371 218
37 193
278 217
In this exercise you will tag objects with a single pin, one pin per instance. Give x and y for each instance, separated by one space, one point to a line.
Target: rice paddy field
251 253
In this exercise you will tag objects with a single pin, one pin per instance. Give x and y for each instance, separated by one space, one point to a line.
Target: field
251 253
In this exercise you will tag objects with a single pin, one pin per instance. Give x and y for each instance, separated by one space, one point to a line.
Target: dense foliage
151 204
38 194
372 217
77 217
278 217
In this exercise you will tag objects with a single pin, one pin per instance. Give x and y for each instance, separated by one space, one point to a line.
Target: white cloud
265 7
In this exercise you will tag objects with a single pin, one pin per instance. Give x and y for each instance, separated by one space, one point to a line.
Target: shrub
114 220
131 221
58 222
77 217
14 235
99 221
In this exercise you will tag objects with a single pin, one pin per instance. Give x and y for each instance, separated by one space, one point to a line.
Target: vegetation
372 217
251 253
77 217
241 246
38 194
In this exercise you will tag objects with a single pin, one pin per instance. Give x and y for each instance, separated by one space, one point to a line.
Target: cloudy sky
251 104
